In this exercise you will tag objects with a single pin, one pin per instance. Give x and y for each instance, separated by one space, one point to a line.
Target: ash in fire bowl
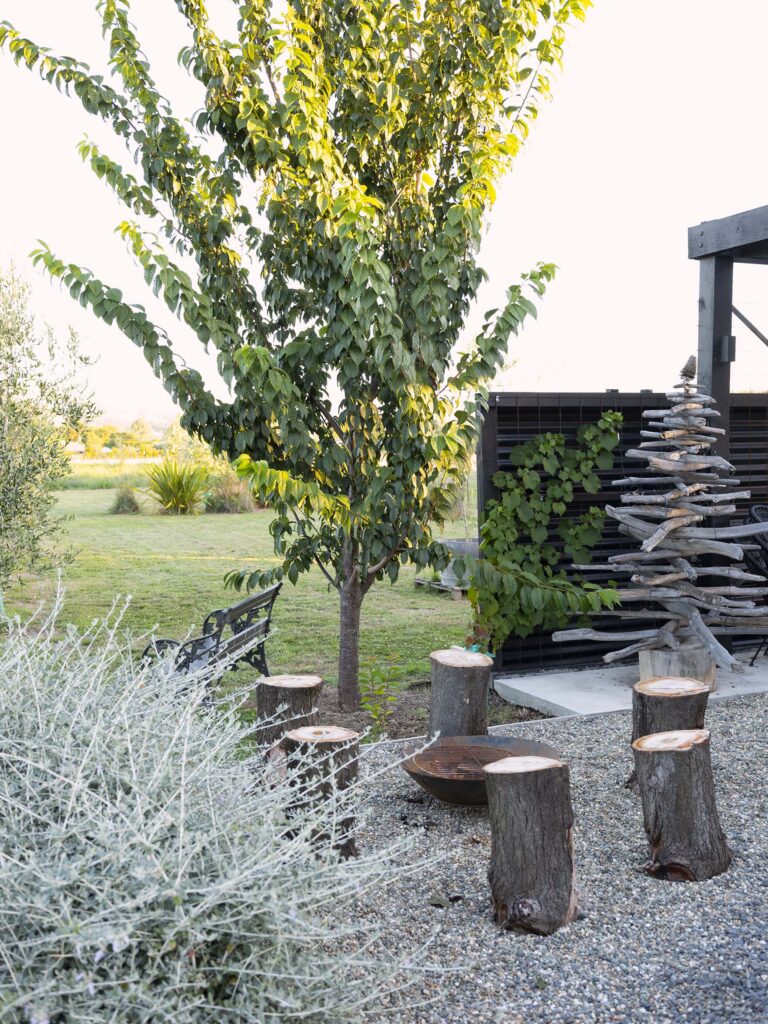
452 768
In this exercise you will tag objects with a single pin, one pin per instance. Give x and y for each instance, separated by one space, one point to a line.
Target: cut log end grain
688 663
529 763
679 739
322 734
458 658
292 682
670 686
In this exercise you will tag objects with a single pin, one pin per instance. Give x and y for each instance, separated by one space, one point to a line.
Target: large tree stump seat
674 774
531 872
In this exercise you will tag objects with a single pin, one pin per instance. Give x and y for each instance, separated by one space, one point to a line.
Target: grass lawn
173 567
93 475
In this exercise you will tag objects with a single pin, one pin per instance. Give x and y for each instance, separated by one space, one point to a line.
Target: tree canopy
318 224
41 400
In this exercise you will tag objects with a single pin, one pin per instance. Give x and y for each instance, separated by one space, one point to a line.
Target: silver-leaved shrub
149 870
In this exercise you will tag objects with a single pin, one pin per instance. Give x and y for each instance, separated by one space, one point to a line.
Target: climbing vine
517 585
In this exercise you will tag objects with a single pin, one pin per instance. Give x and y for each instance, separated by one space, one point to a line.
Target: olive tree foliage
41 401
318 224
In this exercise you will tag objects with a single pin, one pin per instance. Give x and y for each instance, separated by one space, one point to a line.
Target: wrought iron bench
230 636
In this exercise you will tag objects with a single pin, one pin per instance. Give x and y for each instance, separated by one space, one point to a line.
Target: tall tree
41 401
327 210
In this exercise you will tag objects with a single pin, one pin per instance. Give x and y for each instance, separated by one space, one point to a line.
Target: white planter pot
460 549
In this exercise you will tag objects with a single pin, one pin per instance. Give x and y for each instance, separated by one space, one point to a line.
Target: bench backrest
238 617
239 643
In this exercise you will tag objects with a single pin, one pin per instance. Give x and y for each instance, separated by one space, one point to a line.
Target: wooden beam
714 237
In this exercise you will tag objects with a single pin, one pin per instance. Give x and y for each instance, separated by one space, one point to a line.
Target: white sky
655 125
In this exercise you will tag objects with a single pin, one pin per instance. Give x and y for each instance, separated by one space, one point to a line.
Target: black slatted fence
514 418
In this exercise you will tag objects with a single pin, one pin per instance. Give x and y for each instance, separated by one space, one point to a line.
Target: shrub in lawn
228 493
178 487
149 870
125 503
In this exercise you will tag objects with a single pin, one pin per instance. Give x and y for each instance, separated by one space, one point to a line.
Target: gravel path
645 951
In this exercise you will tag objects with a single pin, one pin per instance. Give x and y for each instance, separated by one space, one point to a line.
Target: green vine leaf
517 585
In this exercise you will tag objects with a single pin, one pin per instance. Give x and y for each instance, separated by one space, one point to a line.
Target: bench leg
257 659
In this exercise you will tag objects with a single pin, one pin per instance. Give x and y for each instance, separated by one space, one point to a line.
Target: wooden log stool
690 662
674 773
667 704
458 703
286 702
322 762
531 872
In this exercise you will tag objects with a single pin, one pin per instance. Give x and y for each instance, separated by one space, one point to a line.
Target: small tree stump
687 663
458 704
531 872
668 704
289 702
322 760
674 773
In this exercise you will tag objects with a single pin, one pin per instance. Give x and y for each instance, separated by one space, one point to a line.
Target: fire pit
452 768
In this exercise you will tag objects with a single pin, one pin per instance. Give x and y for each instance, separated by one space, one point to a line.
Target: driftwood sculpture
676 514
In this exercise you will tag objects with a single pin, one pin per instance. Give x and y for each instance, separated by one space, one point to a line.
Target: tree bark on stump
289 702
687 663
666 704
531 872
674 773
322 762
458 703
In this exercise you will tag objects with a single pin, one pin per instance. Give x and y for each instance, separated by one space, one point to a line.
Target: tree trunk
666 705
531 872
674 772
288 702
687 663
351 600
458 703
322 761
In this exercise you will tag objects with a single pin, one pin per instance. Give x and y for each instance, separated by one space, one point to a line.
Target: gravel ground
644 951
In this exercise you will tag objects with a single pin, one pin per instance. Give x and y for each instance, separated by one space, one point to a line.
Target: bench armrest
157 648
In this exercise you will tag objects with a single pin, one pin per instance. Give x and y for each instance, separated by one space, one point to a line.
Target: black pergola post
715 342
717 245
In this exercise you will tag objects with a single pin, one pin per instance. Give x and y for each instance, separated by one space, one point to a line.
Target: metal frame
718 245
248 622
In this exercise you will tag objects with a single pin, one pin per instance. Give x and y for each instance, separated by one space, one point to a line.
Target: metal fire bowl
452 768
